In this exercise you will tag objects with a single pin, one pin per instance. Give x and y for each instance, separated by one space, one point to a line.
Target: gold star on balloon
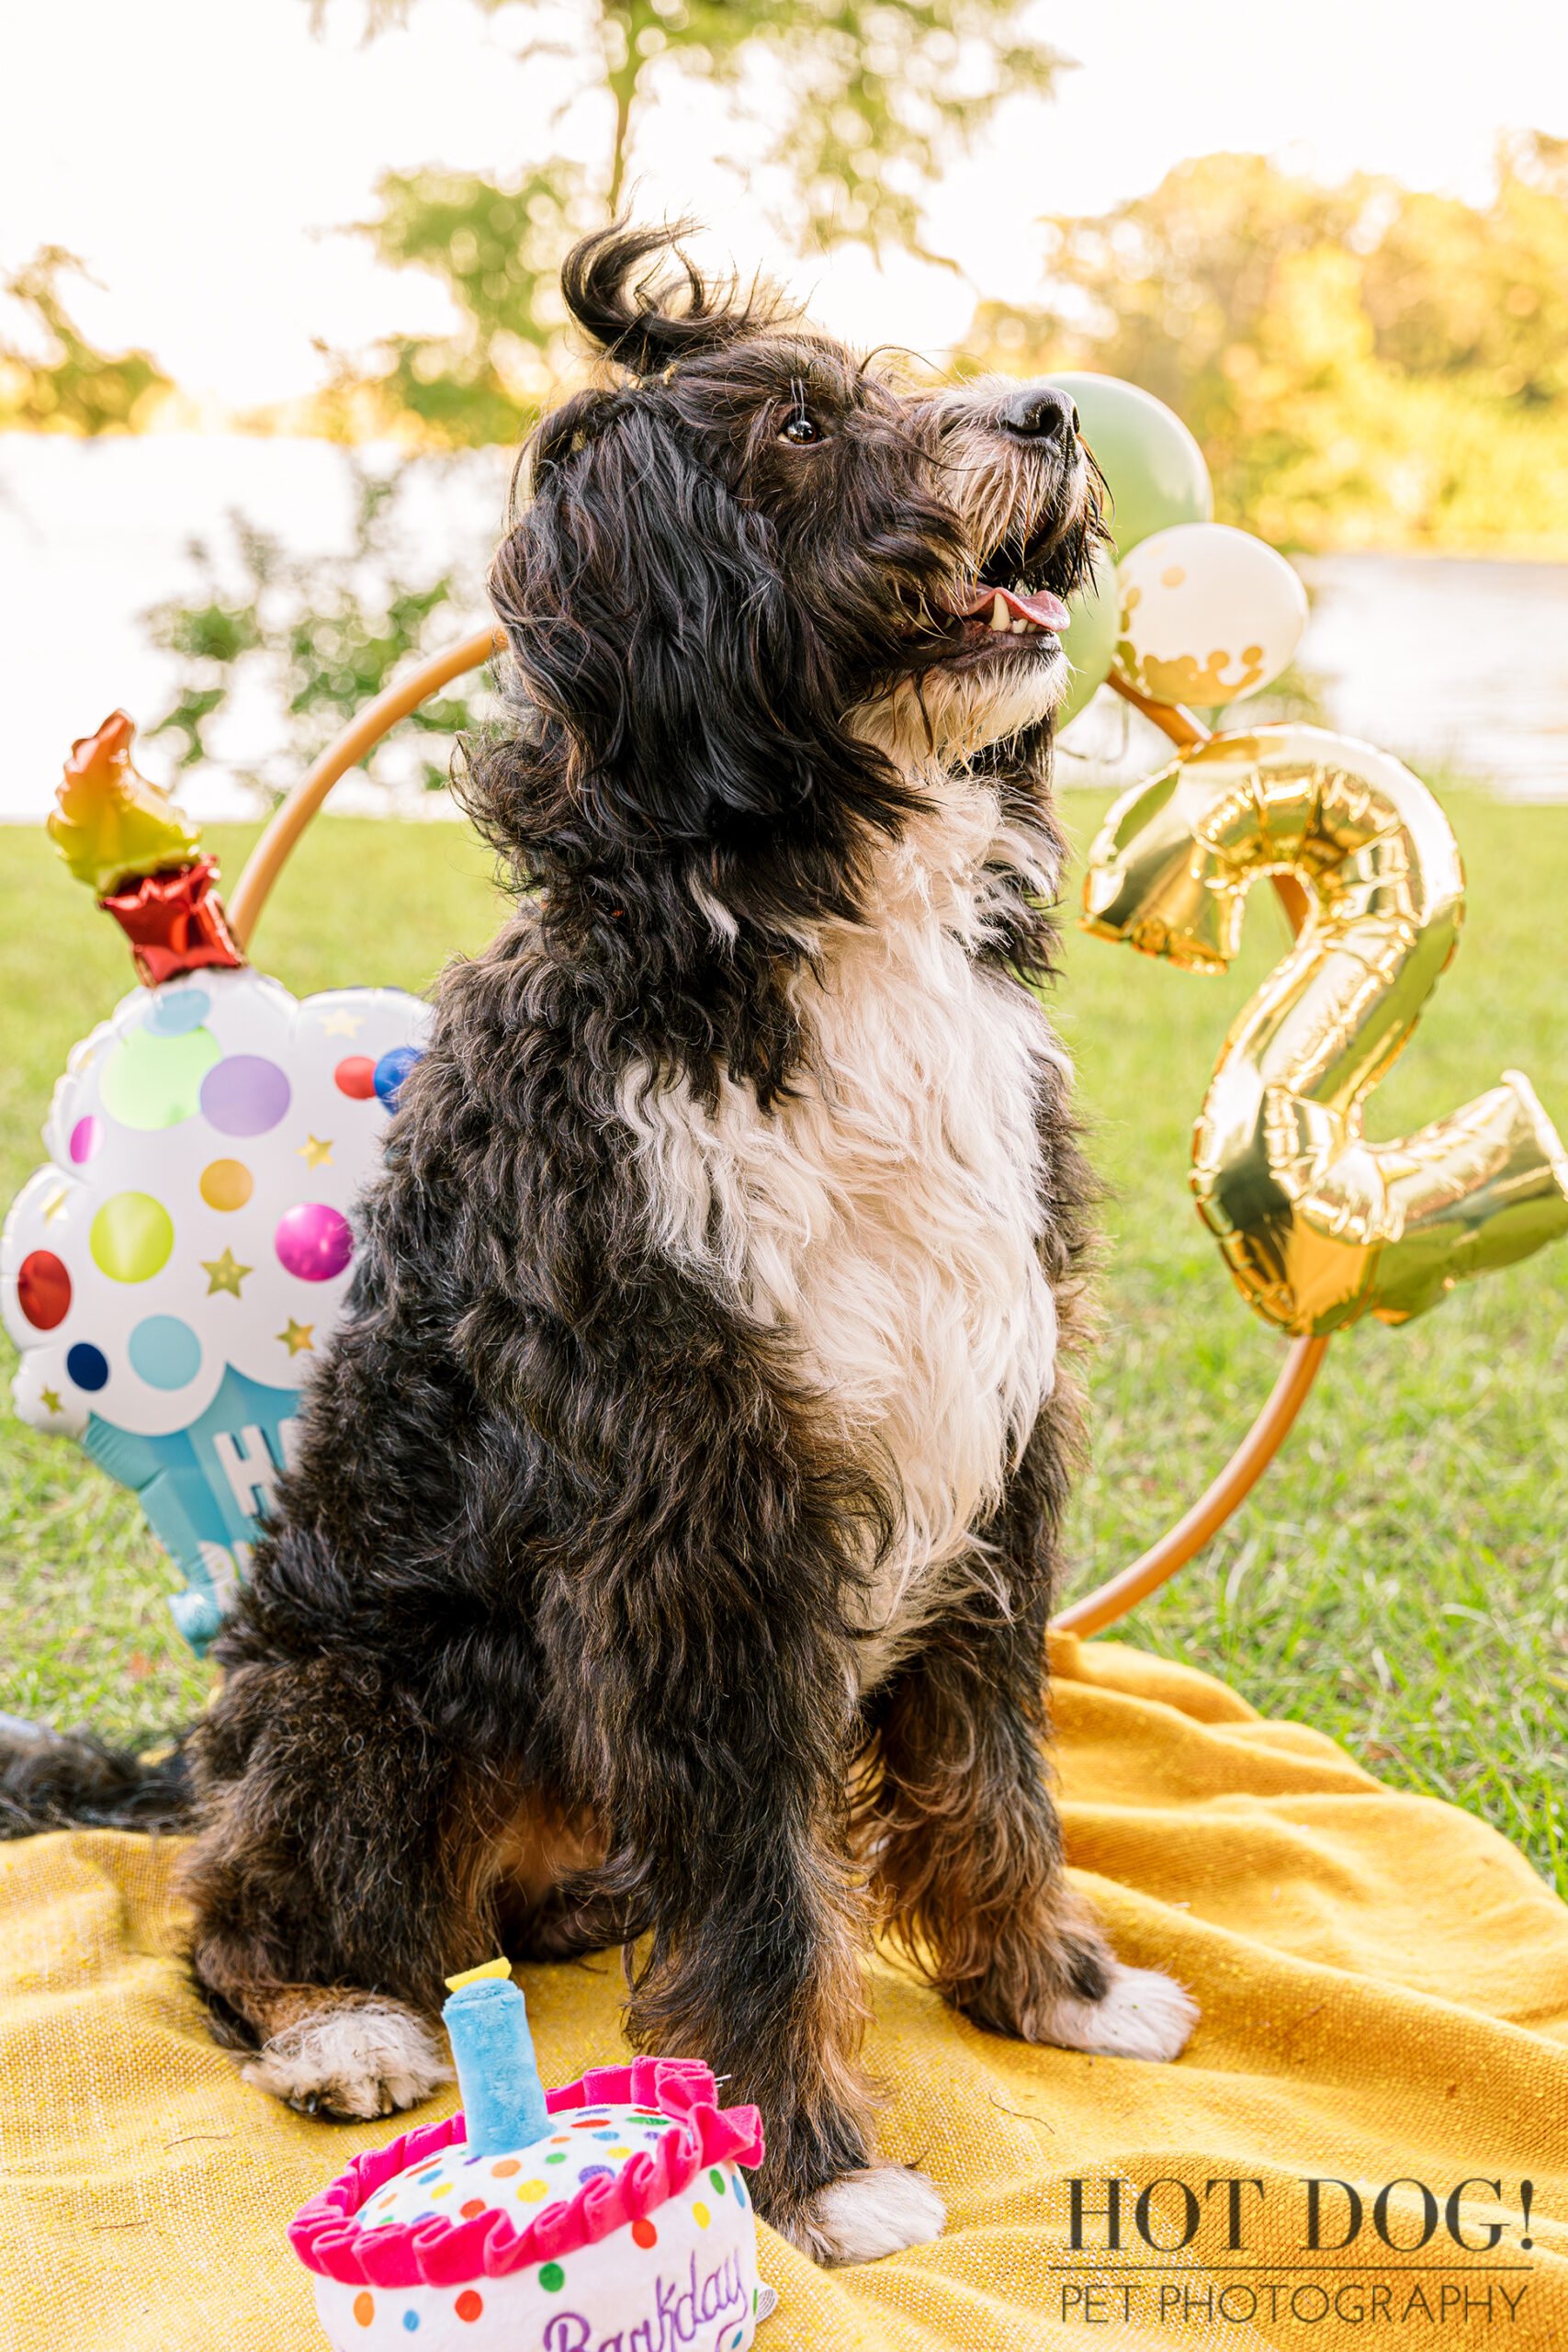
52 1399
318 1153
342 1025
53 1205
297 1336
224 1274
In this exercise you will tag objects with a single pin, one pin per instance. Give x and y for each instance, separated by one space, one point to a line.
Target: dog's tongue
1044 610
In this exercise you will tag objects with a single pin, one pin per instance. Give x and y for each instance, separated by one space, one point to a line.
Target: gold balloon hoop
277 844
1153 1567
1209 1513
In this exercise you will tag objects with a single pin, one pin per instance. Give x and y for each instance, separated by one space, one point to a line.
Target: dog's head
758 589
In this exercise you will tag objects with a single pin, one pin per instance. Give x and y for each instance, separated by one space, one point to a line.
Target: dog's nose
1040 413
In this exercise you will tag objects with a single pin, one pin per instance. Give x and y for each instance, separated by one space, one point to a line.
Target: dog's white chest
882 1222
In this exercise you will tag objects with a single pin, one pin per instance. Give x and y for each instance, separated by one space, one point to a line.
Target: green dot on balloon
150 1081
131 1237
718 2181
552 2277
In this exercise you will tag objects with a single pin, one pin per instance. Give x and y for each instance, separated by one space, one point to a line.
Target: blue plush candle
504 2100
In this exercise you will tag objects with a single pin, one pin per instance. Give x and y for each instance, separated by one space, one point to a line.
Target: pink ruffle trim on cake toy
437 2252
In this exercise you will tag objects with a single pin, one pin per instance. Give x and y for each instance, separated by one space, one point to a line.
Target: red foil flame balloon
125 838
174 922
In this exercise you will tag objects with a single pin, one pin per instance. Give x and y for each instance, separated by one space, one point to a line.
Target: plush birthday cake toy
608 2216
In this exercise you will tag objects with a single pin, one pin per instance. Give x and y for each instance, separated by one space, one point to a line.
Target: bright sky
198 156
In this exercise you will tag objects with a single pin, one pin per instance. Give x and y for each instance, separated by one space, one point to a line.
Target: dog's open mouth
996 620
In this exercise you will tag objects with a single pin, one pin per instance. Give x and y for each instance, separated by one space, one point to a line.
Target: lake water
1458 665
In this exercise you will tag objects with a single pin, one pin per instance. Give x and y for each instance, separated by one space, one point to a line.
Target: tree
1357 361
868 101
68 386
498 250
1481 294
324 635
869 84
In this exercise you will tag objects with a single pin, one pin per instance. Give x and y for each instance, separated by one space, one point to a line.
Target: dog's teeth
1000 617
1020 628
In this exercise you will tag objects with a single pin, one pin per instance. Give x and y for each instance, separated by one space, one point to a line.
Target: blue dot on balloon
410 2321
88 1366
390 1071
164 1351
177 1012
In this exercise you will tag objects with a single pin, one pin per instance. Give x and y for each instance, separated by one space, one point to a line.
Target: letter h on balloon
249 1468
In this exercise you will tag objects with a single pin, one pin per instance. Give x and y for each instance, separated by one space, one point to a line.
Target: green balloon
1091 640
1152 468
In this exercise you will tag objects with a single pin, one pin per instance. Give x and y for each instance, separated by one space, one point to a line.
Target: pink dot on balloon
313 1242
85 1136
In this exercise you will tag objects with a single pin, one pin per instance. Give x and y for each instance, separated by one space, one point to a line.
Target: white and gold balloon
1209 615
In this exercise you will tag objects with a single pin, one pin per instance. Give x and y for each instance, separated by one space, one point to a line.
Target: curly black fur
555 1639
55 1781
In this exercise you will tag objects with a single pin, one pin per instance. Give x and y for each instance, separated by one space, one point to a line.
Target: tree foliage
865 103
869 85
498 250
62 384
320 636
1358 361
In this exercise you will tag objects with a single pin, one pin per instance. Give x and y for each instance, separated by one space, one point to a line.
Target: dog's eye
801 430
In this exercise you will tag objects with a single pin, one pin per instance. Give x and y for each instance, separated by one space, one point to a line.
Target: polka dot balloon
173 1271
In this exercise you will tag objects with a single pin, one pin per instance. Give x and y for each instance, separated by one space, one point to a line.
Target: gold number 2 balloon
1317 1226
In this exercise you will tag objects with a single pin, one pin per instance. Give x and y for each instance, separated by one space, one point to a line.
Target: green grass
1399 1578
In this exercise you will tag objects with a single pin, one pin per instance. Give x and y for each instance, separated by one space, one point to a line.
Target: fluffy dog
668 1554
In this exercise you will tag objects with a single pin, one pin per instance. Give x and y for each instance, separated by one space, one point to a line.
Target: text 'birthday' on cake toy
607 2216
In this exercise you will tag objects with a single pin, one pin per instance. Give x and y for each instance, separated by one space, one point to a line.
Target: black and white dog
670 1553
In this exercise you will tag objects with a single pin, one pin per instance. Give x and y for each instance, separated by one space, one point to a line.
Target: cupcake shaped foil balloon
608 2216
173 1271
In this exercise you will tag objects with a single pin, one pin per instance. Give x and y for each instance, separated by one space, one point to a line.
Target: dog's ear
646 614
645 319
684 706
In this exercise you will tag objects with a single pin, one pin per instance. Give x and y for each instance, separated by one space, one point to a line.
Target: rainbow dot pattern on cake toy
624 2226
174 1270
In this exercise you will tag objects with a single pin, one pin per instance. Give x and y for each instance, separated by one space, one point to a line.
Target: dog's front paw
351 2060
866 2214
1142 2014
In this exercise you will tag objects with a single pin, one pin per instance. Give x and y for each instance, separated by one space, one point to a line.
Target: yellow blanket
1384 1989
